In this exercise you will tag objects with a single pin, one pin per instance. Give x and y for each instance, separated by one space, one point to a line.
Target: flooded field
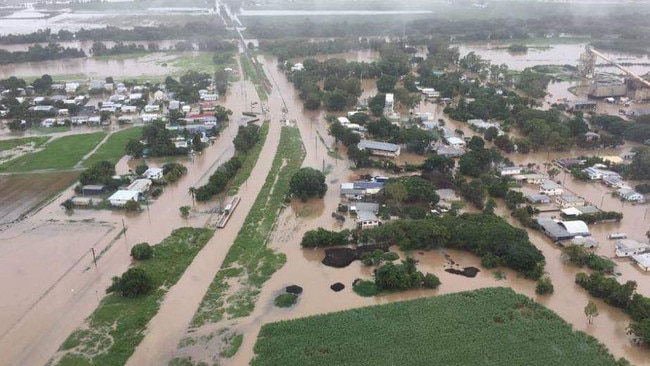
21 192
552 54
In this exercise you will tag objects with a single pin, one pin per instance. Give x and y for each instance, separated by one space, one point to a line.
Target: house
140 185
174 105
92 189
344 121
48 122
579 210
584 106
448 195
570 163
550 188
596 173
366 214
121 197
455 142
360 189
150 108
569 200
129 109
95 120
562 230
71 87
181 143
79 120
43 108
209 97
510 170
532 178
449 152
153 173
380 148
482 125
642 260
389 103
82 201
630 247
628 194
538 198
297 67
614 181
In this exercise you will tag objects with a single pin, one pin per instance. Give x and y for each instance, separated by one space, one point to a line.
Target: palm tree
192 192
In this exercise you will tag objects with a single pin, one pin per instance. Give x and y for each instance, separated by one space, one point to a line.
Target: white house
121 197
153 173
297 67
550 188
366 214
140 185
129 109
344 121
596 173
150 108
630 247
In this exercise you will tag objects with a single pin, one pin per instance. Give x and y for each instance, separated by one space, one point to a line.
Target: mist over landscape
293 182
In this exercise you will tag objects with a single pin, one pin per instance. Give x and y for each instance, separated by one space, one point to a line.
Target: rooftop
642 259
377 145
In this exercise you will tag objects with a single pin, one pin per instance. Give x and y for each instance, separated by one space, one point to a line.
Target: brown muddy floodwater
147 65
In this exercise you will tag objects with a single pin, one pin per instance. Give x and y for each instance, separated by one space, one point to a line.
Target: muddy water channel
304 267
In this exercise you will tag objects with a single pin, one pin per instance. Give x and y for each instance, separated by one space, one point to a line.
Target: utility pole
94 257
124 231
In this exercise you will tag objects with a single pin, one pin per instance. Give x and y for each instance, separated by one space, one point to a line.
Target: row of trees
189 30
35 53
621 296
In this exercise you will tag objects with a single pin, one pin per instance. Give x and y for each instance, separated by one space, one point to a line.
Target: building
596 173
93 189
121 197
615 182
628 194
607 88
562 230
449 152
538 198
482 125
389 103
630 247
380 148
569 200
360 189
510 170
532 178
153 173
455 142
642 260
344 121
366 214
584 242
140 185
584 106
297 67
550 188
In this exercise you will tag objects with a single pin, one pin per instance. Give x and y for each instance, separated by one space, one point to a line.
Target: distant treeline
626 27
286 49
212 45
37 52
192 30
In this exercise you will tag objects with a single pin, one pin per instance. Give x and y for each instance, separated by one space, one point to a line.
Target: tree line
35 53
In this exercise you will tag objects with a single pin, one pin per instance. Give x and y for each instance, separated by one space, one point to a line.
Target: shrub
140 169
544 286
322 238
365 288
132 206
285 300
390 256
431 281
133 283
490 261
142 251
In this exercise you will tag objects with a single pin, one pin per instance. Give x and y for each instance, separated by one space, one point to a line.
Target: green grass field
113 149
14 143
60 154
249 161
118 325
493 326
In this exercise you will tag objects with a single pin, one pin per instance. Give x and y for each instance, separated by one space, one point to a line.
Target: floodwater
148 65
54 285
553 54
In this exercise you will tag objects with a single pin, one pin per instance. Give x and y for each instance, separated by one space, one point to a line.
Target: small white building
344 121
297 67
642 260
140 185
153 173
455 142
121 197
628 194
630 247
510 170
550 188
129 109
150 108
389 103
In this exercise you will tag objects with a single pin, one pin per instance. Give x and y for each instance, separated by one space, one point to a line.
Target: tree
67 205
490 206
133 283
308 182
641 330
140 169
544 286
397 191
142 251
192 193
132 206
134 148
185 211
591 311
431 281
386 84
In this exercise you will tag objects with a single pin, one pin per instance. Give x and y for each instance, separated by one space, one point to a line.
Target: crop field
493 326
59 154
113 149
117 326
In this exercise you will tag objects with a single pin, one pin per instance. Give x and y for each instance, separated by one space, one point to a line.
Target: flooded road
53 291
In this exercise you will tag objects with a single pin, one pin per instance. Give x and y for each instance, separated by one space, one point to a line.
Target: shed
121 197
93 189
